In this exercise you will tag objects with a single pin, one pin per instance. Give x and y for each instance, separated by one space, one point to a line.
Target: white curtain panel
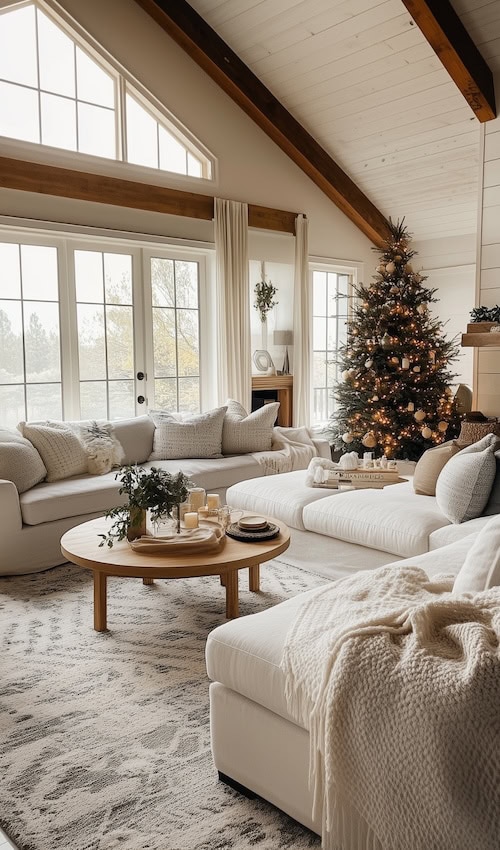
301 327
234 342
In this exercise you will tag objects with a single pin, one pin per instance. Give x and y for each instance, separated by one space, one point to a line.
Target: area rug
104 737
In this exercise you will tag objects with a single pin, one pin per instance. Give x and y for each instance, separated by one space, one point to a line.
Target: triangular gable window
56 91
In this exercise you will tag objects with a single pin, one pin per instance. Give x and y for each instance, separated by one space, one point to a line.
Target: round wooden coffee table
80 545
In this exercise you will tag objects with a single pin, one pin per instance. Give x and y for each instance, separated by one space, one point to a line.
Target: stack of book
359 478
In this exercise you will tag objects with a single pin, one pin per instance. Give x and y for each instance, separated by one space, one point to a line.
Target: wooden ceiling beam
66 183
453 45
183 24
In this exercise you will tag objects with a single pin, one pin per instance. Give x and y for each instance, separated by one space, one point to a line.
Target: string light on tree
395 396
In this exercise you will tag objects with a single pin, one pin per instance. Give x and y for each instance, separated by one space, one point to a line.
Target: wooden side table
282 385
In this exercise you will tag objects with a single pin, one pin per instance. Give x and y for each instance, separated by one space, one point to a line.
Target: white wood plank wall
488 359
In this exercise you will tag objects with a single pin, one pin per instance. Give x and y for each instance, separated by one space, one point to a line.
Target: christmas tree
394 397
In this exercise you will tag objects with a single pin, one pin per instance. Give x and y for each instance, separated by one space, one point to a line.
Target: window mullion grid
39 92
121 119
25 387
176 336
105 318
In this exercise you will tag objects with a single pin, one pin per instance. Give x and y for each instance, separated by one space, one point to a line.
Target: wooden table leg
100 601
223 580
232 602
148 581
254 578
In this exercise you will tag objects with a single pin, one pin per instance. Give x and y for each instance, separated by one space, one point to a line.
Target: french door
97 330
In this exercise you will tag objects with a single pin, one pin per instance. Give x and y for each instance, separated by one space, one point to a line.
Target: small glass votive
203 512
191 519
196 497
213 501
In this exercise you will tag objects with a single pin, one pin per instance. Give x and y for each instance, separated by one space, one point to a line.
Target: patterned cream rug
104 738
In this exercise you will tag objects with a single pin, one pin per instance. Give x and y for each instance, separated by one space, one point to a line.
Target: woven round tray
238 533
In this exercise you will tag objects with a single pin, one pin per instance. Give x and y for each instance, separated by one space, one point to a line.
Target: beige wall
250 166
450 265
488 286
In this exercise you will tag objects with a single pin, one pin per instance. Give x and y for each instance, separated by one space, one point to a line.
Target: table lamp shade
283 338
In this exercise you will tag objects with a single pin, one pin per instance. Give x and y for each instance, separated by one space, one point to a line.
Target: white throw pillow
481 568
60 449
464 485
198 436
20 461
248 432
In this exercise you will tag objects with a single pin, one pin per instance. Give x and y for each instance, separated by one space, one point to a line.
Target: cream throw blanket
398 683
290 451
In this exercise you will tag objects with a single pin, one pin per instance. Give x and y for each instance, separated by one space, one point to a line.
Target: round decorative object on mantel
369 440
262 360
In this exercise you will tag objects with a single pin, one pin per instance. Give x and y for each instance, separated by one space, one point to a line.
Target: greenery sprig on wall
264 298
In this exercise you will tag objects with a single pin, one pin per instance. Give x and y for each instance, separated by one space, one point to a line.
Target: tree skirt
104 737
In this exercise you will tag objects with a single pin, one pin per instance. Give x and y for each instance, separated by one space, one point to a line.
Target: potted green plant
153 490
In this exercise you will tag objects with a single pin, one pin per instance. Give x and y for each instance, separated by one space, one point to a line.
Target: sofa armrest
10 509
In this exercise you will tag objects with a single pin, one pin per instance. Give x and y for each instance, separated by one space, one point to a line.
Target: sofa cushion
281 496
197 436
464 485
71 497
453 532
447 561
103 449
213 474
59 447
394 519
20 461
248 432
135 437
481 569
430 465
87 494
245 654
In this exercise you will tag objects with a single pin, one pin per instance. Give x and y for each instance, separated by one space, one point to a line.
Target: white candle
203 512
191 519
213 501
196 497
405 363
184 508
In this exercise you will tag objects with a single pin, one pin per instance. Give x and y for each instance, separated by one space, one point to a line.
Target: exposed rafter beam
453 45
66 183
199 40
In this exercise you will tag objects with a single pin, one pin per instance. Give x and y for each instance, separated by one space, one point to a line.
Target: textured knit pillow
197 436
60 449
20 461
429 467
481 568
472 432
464 485
248 432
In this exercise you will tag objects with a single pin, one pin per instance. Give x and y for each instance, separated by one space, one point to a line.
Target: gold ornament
420 415
398 258
394 290
416 369
368 364
347 437
422 308
345 375
426 433
381 269
390 268
369 440
375 398
409 268
395 360
442 426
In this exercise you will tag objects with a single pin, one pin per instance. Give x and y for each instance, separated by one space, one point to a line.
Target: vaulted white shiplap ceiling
361 78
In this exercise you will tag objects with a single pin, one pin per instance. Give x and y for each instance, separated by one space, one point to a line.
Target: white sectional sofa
257 746
32 522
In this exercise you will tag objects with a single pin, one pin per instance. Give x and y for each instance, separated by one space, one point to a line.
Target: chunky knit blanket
398 682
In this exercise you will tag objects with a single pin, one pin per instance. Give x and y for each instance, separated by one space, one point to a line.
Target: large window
331 289
97 331
56 90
